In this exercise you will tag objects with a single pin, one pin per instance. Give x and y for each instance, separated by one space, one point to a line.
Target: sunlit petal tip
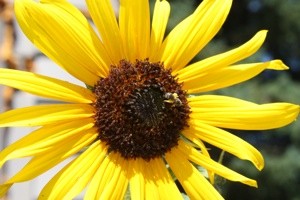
260 165
296 111
261 35
277 65
256 158
263 32
292 111
252 183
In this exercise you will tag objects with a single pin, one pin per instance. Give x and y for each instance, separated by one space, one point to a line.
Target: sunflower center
140 109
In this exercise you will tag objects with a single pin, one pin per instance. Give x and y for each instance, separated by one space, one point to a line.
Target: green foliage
279 180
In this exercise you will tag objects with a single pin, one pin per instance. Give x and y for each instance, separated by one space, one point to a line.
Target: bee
173 99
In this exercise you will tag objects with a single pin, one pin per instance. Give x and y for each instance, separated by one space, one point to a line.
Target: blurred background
280 179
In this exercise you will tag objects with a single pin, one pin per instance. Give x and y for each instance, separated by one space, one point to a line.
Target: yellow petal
73 178
151 189
195 185
160 176
159 24
45 114
227 76
134 20
104 18
154 180
101 178
136 178
182 45
203 150
42 163
226 141
45 86
216 101
203 161
110 181
117 186
43 139
233 113
61 32
102 175
224 59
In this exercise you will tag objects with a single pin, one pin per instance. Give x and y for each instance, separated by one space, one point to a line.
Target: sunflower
139 119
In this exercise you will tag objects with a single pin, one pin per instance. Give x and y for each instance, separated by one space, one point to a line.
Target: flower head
138 119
